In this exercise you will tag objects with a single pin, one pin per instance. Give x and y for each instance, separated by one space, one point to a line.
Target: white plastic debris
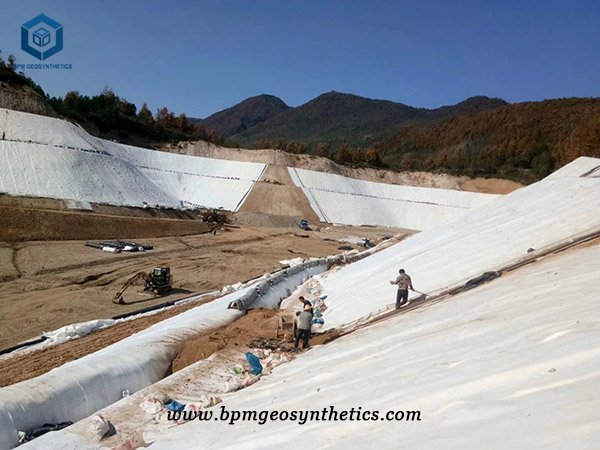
76 330
232 384
99 426
152 406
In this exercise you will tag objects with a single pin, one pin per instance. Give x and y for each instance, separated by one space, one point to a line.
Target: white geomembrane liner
486 367
486 238
41 171
194 179
33 128
509 365
339 199
512 364
47 157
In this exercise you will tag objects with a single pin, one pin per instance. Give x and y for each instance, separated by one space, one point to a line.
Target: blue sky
199 57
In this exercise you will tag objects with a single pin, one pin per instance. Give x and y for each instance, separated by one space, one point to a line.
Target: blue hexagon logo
42 37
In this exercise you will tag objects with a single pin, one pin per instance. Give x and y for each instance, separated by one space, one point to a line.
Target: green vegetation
244 115
109 115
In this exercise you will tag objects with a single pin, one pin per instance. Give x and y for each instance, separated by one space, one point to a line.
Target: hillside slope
48 157
22 94
322 164
496 367
524 140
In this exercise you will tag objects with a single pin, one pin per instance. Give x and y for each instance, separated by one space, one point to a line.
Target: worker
305 303
404 283
304 324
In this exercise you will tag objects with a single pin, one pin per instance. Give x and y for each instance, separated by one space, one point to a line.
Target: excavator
157 282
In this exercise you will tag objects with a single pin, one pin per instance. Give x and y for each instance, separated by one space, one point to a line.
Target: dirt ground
28 219
257 329
257 323
52 290
49 284
276 194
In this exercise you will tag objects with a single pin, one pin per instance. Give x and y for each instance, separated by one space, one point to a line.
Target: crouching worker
306 303
304 324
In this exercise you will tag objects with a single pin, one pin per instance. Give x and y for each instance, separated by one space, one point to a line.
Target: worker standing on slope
404 283
304 324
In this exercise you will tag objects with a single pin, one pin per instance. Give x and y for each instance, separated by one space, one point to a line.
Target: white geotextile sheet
48 157
509 365
82 387
56 172
339 199
196 180
487 238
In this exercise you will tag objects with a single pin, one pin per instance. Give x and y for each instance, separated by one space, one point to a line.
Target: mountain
521 141
246 114
336 118
480 136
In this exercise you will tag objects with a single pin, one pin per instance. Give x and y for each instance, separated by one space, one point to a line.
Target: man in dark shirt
305 302
404 283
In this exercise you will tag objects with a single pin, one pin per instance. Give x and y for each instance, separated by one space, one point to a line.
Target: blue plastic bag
174 405
255 365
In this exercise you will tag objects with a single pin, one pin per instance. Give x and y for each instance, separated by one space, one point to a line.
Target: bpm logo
42 37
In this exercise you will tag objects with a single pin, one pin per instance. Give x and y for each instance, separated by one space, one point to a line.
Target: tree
12 60
125 108
542 164
441 160
296 147
182 123
72 101
322 150
145 115
457 161
429 165
344 154
199 132
371 157
165 118
408 162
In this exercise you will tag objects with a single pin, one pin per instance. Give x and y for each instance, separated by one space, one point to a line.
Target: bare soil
276 194
58 283
48 284
48 279
258 325
27 219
